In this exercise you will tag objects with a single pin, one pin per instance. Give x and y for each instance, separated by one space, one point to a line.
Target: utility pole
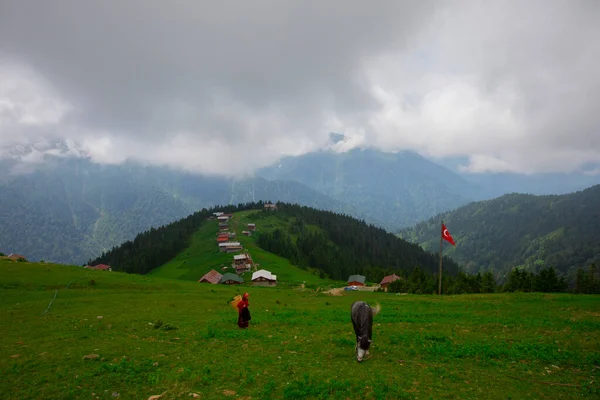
441 248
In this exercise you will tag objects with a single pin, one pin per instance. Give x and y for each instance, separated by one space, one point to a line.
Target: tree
488 283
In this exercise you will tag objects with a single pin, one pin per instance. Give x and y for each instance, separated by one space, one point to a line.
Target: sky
507 86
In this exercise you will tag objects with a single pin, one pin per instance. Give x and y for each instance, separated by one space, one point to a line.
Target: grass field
204 255
159 335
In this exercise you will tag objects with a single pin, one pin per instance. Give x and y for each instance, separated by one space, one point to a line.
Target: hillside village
241 260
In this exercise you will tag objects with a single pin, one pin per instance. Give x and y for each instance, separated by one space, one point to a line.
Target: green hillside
517 230
69 332
203 254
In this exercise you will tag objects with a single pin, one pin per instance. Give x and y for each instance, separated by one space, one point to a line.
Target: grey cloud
512 85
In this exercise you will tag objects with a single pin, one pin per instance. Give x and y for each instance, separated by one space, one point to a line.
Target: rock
15 356
229 392
194 395
91 356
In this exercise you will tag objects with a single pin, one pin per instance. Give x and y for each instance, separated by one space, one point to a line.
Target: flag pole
441 248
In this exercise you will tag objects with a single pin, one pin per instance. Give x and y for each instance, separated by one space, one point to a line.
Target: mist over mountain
70 210
67 208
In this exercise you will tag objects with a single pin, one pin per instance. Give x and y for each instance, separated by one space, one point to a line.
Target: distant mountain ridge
70 209
400 189
518 230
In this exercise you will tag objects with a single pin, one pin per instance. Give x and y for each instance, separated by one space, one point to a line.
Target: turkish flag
446 235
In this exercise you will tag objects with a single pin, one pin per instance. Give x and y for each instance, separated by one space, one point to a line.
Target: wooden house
242 259
264 278
228 247
231 279
233 249
356 280
247 233
251 227
385 282
211 277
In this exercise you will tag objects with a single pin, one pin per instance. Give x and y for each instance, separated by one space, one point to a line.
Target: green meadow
151 335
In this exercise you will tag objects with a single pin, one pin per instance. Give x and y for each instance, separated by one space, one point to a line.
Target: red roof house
385 282
16 257
101 267
211 277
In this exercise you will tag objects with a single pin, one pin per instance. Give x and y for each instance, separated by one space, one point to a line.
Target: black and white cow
362 319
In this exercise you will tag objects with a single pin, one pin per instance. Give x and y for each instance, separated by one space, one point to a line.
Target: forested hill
517 230
336 244
157 246
341 245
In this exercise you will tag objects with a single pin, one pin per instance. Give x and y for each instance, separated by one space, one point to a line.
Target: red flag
446 235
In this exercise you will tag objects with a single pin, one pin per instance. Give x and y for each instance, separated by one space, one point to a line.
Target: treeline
157 246
546 281
342 245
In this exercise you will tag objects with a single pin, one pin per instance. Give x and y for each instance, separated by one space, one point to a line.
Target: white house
264 278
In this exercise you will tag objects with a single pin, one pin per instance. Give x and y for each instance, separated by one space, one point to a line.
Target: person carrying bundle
241 303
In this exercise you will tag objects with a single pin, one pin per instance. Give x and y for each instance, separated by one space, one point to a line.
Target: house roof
251 224
264 274
240 257
212 276
356 278
227 244
15 256
389 279
222 239
101 266
231 277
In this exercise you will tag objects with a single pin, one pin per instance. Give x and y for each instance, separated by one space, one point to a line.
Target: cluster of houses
242 262
259 278
359 280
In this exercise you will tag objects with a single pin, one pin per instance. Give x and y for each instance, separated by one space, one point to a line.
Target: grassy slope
204 255
300 344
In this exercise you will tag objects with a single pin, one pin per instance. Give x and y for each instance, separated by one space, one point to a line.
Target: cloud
511 86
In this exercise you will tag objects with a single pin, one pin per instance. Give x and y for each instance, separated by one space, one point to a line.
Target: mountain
399 189
70 210
313 240
518 230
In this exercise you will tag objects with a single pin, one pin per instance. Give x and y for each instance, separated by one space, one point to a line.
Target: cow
362 320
